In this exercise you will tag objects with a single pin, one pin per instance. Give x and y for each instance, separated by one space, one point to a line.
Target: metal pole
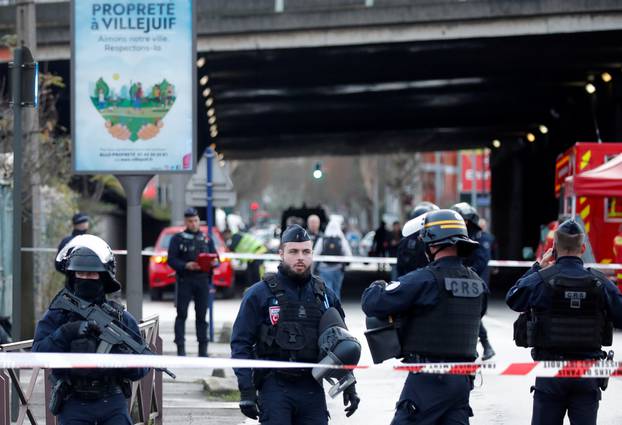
16 90
209 155
134 186
473 179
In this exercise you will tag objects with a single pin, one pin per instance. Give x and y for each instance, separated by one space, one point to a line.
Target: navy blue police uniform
598 301
425 309
478 261
279 319
96 395
76 219
185 247
285 397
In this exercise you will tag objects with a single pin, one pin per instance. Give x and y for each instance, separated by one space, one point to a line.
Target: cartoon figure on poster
133 114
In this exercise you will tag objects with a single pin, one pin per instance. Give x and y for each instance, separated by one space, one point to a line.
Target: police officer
192 282
80 223
89 396
279 319
478 261
439 308
411 250
568 313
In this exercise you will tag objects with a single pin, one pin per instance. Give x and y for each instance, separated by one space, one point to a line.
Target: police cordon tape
552 369
340 259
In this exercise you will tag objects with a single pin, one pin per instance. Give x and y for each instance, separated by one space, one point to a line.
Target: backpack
331 245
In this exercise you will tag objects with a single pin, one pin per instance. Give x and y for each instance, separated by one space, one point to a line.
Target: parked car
162 276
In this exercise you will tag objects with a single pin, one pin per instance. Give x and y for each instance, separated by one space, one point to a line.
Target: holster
60 393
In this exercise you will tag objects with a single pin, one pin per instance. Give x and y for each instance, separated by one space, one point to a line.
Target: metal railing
146 393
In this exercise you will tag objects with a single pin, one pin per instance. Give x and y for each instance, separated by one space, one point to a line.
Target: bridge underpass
444 89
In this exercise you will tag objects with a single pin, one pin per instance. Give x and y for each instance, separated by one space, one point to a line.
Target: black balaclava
91 290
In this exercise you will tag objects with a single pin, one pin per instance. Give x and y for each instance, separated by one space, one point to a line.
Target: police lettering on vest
448 330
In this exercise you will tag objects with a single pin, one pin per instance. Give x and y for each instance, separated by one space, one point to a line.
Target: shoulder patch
392 286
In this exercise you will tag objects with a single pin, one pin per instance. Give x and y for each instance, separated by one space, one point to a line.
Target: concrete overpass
226 25
309 77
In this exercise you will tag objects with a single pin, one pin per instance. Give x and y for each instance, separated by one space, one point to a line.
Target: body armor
575 323
448 330
294 335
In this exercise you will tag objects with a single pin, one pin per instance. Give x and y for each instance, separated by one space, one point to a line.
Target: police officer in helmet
280 318
89 396
411 249
568 313
192 282
439 308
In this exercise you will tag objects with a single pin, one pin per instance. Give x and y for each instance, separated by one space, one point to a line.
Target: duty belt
93 389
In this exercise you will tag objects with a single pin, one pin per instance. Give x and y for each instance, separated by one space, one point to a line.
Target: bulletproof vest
191 245
331 245
577 320
293 332
448 330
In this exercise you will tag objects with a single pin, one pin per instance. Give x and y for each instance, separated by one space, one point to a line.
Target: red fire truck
601 212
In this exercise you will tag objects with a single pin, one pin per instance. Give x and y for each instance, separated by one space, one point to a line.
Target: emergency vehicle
598 203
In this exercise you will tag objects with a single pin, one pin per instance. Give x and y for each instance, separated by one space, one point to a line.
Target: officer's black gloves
80 328
351 400
248 403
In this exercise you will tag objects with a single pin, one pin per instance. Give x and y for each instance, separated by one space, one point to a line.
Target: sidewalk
186 400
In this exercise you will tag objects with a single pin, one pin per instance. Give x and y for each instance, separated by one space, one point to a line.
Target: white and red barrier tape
342 259
551 369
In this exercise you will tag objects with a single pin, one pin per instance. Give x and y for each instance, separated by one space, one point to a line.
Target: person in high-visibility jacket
617 255
245 243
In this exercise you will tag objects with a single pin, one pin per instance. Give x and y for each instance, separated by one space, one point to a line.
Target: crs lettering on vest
575 298
463 287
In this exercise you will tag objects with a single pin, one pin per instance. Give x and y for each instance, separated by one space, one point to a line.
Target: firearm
113 331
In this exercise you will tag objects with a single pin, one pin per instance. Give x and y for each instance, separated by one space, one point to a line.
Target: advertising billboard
133 86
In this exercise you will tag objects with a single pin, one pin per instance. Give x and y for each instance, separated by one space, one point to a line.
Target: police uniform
279 319
77 218
92 396
411 254
577 307
185 247
478 261
439 309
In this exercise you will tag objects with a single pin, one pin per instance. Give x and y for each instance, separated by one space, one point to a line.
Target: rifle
113 331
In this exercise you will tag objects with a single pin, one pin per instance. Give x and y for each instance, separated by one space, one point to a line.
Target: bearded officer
568 314
279 319
87 396
439 307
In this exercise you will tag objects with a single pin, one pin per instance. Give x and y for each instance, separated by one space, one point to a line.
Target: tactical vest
577 320
294 337
448 330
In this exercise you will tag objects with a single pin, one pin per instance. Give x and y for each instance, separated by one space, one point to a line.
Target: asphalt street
495 400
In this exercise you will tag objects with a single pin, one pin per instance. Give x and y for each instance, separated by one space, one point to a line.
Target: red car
162 276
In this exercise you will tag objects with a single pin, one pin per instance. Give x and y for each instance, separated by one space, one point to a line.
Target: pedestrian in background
313 228
333 242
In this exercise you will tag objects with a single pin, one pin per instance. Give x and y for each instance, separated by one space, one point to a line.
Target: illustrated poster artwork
133 94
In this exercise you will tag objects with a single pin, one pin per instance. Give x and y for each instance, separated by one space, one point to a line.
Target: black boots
488 351
202 349
181 350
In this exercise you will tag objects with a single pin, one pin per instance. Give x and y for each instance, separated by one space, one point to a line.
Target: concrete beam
229 25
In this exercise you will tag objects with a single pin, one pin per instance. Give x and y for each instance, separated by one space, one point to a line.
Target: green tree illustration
101 85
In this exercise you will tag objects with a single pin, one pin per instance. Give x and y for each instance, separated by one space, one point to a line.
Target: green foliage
101 85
